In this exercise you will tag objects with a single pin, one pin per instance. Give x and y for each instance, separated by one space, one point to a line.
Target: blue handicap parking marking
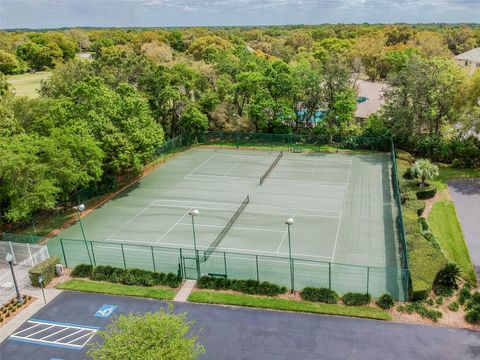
106 310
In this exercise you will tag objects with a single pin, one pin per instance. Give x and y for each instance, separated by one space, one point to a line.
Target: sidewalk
28 312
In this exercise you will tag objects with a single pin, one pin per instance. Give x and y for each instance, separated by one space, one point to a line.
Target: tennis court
343 232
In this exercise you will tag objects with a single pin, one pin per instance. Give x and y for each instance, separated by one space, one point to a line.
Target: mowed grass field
27 84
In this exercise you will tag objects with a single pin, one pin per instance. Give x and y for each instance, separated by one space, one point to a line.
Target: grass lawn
27 84
446 228
216 297
117 289
450 173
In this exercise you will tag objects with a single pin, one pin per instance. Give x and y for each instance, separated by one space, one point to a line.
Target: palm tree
424 169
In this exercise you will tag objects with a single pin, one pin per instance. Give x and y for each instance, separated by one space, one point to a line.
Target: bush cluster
426 193
356 299
472 307
253 287
46 268
128 277
419 308
385 301
319 295
425 256
82 271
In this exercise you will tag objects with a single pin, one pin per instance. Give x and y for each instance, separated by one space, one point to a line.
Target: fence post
256 261
236 139
368 277
153 258
30 254
93 254
182 270
293 274
63 252
123 255
12 252
225 263
329 275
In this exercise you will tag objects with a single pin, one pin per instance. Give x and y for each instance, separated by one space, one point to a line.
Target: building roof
373 91
473 54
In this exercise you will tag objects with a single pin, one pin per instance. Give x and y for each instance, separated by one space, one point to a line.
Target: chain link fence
25 256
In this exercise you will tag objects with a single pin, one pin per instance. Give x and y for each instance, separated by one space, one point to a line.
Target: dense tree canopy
104 117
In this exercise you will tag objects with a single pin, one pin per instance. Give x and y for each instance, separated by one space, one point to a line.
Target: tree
341 112
154 336
193 121
8 63
422 97
425 170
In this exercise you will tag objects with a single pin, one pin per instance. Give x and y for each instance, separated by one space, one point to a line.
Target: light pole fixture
289 223
79 209
9 259
193 213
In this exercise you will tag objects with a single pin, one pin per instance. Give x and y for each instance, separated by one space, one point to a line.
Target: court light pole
9 259
289 223
193 213
79 209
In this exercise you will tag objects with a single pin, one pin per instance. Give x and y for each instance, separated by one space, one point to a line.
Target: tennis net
262 179
225 229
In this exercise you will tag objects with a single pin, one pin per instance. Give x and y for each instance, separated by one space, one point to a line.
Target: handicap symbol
105 311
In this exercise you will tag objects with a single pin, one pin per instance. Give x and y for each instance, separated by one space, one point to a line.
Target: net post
329 275
123 256
153 258
197 263
63 252
256 262
368 278
225 262
93 254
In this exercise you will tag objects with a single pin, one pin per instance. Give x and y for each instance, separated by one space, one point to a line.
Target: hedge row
426 193
425 256
350 299
127 277
46 268
245 286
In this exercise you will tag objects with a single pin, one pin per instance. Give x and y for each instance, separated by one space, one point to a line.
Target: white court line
231 169
220 177
335 214
318 184
81 337
67 336
281 242
171 227
131 219
29 328
311 174
311 159
199 166
176 246
233 227
340 221
246 156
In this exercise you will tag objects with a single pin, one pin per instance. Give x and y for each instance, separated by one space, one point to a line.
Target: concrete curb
28 312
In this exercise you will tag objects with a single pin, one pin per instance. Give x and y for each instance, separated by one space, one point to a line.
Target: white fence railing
25 256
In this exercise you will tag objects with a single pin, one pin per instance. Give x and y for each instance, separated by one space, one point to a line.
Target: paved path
185 291
466 196
243 333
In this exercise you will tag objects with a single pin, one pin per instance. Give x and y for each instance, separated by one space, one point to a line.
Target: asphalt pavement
238 333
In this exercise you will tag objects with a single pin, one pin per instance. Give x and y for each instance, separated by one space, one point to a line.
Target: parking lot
67 325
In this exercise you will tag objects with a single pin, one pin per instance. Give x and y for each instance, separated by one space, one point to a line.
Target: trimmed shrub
473 302
443 290
82 271
356 299
427 193
385 301
46 268
253 287
454 306
420 309
464 295
448 276
134 277
319 295
473 316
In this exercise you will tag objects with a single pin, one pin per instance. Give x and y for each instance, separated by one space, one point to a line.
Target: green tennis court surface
343 236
